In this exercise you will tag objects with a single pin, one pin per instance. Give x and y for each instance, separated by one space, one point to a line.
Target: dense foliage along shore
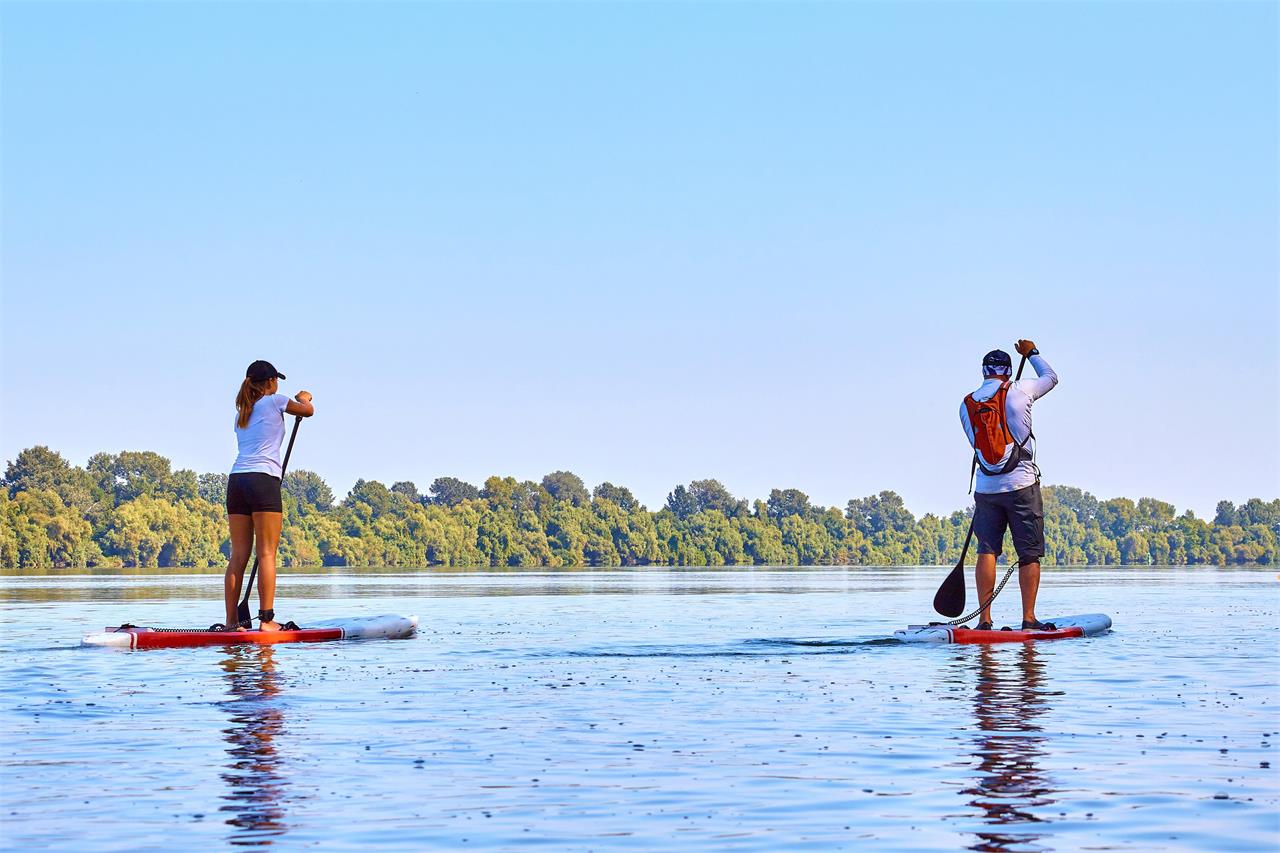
133 509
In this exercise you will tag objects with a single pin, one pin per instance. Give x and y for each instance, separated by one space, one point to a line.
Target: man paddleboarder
997 421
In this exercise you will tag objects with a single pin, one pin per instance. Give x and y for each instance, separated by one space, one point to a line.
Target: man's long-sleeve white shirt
1017 408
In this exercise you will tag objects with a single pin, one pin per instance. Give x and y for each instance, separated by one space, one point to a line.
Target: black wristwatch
1034 351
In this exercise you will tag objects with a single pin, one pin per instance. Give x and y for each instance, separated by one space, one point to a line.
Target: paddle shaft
949 599
242 612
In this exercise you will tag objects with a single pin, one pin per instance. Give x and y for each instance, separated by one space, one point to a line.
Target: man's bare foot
268 627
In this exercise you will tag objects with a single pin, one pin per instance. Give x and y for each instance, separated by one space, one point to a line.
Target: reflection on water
256 791
1011 789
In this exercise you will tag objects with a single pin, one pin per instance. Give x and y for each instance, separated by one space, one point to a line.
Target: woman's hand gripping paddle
949 599
242 612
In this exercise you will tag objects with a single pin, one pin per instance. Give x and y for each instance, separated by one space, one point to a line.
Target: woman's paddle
949 599
242 612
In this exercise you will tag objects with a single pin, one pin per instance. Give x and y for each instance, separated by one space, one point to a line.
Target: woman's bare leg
266 528
241 548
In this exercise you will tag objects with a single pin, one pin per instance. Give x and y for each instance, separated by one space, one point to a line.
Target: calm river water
600 710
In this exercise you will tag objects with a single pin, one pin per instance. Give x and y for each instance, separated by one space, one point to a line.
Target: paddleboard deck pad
367 628
1088 625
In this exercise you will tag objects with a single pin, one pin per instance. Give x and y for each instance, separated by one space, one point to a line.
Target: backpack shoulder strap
1003 393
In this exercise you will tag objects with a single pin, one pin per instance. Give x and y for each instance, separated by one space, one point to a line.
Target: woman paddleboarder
254 508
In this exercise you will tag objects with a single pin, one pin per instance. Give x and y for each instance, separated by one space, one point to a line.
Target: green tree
1153 515
712 495
48 533
39 467
566 486
620 496
131 474
450 491
1117 517
762 542
151 531
880 513
407 490
1255 511
212 488
785 502
370 499
681 503
310 490
1077 501
1134 548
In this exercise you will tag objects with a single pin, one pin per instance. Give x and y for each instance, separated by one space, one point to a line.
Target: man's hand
305 396
1025 347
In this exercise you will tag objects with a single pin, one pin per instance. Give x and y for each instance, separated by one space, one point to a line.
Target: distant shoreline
356 571
132 509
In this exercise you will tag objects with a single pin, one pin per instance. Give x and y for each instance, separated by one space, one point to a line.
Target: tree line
132 509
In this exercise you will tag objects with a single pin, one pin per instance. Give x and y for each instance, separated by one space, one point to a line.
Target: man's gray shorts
1021 512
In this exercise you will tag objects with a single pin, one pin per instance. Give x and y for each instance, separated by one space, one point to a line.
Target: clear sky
649 243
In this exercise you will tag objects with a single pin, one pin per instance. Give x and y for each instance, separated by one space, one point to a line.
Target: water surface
596 710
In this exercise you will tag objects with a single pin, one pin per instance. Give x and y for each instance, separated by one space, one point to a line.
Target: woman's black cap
995 358
260 371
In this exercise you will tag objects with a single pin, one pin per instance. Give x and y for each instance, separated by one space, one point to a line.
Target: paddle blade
242 611
949 600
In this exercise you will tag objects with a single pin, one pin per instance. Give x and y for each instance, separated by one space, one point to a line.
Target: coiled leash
964 619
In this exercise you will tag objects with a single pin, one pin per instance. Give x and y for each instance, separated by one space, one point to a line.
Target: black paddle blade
949 600
242 611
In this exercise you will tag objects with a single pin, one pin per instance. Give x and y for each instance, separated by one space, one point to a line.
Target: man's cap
260 371
997 361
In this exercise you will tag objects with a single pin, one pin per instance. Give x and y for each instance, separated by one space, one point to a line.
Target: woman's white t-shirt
260 441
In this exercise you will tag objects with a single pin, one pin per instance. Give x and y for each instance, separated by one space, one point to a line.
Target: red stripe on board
969 635
144 638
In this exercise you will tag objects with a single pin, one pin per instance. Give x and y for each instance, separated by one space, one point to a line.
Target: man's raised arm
1045 379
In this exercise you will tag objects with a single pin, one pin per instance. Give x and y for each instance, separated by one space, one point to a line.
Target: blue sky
649 243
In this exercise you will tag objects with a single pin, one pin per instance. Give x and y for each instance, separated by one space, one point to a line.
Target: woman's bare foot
268 627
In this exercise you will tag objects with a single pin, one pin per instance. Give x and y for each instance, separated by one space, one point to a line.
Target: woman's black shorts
255 492
1021 512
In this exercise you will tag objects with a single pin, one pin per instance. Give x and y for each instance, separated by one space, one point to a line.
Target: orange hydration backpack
991 435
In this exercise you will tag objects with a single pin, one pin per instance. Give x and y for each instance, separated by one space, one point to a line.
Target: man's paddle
242 612
949 599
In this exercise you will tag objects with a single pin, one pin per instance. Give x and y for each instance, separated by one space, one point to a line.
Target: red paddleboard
372 627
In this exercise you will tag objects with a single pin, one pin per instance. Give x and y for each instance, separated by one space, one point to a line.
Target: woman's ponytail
250 393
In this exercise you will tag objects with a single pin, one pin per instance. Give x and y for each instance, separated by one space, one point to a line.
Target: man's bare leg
1029 581
985 577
